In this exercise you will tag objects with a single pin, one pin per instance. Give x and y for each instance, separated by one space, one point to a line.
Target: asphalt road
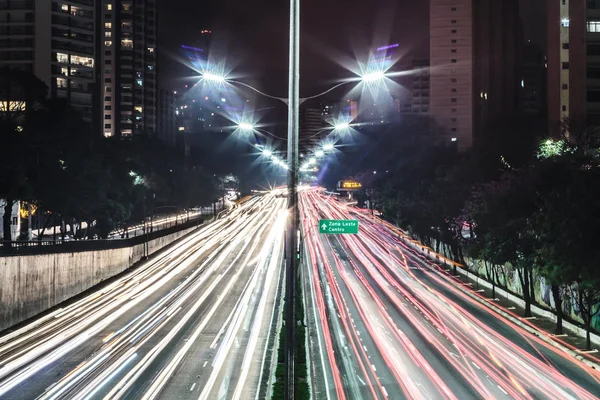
192 322
386 323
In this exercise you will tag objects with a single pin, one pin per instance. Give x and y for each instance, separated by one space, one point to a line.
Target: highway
383 322
196 321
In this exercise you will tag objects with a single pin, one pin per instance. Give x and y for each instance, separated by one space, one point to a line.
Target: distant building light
181 128
223 99
206 98
453 139
564 22
522 83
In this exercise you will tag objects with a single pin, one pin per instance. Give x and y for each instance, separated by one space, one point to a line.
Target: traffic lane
236 362
366 372
97 336
420 338
564 364
81 334
528 366
408 372
349 363
399 371
433 382
136 381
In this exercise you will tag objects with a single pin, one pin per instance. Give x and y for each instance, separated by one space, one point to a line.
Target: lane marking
193 386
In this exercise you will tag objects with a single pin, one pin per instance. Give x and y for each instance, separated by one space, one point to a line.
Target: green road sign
338 226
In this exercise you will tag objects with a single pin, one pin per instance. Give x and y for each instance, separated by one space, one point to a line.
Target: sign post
338 226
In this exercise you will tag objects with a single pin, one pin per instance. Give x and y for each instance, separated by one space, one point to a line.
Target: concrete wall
32 284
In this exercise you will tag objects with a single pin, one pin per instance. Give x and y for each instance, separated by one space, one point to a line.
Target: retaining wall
31 284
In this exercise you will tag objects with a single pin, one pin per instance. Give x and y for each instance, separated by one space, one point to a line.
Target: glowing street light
245 126
373 76
267 153
312 161
319 153
328 147
341 126
209 76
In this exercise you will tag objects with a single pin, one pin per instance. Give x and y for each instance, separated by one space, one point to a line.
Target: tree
20 96
567 226
499 212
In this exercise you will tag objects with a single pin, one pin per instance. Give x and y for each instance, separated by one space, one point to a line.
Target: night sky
254 38
252 35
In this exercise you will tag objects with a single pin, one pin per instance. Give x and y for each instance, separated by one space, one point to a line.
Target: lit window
64 7
109 7
108 34
85 61
150 49
108 43
126 7
108 25
61 83
564 22
593 26
139 82
138 109
64 71
127 43
62 57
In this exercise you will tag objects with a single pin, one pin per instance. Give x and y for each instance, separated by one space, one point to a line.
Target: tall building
474 52
55 40
420 87
532 93
167 116
574 62
128 66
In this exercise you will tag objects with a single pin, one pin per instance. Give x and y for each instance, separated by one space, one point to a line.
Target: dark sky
252 35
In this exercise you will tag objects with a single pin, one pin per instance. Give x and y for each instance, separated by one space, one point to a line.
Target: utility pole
291 239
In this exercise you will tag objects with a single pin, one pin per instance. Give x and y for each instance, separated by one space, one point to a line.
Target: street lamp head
341 126
245 126
373 76
328 147
267 153
209 76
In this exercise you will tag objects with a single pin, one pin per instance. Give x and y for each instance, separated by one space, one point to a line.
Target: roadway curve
196 321
386 323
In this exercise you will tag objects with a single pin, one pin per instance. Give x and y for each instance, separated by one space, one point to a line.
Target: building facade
574 62
532 93
167 116
127 67
474 55
420 87
54 40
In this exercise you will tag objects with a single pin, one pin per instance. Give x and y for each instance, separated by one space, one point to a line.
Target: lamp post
291 242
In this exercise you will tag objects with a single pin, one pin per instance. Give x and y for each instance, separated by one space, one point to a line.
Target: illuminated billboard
349 185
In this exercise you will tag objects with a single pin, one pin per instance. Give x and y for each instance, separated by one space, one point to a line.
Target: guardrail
17 248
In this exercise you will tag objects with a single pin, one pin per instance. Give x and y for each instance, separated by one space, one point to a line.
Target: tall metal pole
291 262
